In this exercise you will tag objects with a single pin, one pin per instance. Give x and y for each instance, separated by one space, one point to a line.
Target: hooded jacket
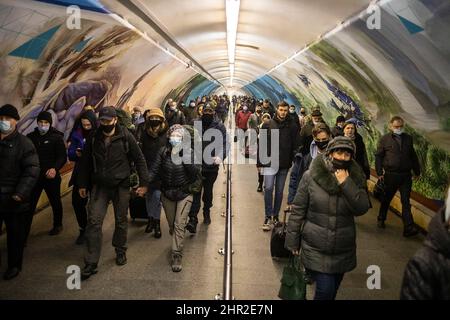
427 274
323 217
50 148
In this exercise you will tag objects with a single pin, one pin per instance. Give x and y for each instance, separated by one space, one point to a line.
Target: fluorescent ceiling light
232 13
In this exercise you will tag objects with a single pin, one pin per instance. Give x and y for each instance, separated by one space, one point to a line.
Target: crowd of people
327 166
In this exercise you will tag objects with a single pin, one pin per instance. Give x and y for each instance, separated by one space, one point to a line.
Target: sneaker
410 231
89 270
191 227
121 259
176 263
259 188
81 238
275 220
381 224
266 224
55 231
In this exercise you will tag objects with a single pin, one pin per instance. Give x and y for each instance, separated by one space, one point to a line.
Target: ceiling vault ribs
137 11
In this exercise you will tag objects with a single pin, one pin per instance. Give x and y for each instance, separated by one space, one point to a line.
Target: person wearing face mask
105 169
19 163
302 117
395 159
49 144
151 141
137 117
427 274
321 227
210 169
338 130
305 137
175 116
349 130
321 137
77 142
191 113
294 116
175 180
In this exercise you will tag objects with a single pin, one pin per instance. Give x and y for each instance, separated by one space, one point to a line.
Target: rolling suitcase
138 208
277 249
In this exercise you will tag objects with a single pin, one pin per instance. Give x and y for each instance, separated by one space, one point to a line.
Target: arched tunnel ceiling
268 32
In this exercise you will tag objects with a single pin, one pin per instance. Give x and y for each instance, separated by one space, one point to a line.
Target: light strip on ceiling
144 35
339 27
232 14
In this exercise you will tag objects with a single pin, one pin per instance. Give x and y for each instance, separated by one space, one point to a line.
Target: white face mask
43 128
5 126
398 131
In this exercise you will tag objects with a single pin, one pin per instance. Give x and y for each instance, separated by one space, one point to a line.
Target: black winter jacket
286 144
174 178
19 172
391 158
427 275
50 148
323 217
110 166
361 155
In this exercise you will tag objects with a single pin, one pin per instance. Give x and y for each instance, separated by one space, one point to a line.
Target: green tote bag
293 285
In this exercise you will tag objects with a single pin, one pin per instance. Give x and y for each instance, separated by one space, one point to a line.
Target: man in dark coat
210 168
427 275
49 144
19 173
105 170
395 158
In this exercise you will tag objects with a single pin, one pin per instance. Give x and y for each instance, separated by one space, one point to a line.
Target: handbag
293 284
277 239
379 191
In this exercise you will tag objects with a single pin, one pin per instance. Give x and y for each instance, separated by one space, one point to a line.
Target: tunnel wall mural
46 66
403 69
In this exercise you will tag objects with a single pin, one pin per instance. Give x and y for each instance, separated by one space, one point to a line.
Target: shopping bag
293 284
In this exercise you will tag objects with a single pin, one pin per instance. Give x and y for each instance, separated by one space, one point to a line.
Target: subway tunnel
365 60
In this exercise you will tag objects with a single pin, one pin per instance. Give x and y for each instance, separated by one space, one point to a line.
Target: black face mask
322 144
207 119
107 128
153 123
340 164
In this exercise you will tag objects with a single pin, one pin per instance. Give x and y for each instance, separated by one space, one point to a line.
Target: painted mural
46 66
370 75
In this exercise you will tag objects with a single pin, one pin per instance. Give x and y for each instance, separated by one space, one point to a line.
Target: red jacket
242 119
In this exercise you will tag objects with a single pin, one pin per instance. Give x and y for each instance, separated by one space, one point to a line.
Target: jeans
97 208
79 206
270 181
52 188
207 186
153 203
327 284
403 183
177 214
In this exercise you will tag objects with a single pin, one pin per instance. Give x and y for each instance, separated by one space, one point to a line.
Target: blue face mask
5 126
175 141
43 129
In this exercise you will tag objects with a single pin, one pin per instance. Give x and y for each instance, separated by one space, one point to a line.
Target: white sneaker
266 224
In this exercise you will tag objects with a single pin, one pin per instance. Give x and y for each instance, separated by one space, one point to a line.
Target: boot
150 225
206 217
259 188
81 238
55 231
157 227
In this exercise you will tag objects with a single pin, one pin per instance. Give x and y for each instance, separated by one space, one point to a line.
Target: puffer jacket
323 217
50 148
19 163
110 166
427 274
174 178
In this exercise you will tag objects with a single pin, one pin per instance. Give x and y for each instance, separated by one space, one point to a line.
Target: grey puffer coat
323 217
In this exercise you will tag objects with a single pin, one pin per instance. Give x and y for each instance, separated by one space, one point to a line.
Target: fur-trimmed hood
321 173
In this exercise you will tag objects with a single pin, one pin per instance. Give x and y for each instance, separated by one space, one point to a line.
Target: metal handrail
228 261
